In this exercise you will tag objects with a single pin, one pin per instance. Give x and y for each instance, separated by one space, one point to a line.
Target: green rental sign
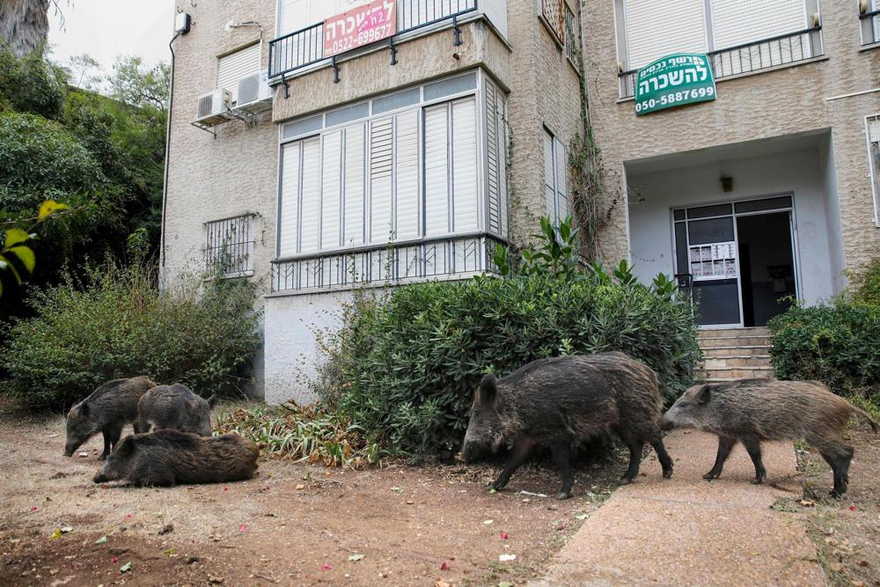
674 80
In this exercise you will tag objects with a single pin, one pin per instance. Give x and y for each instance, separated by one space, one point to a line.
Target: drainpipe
167 154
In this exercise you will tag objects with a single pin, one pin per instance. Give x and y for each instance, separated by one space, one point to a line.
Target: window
232 68
555 179
870 21
572 37
229 246
553 15
400 172
873 132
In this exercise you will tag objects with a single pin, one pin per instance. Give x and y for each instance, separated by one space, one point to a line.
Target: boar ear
703 395
212 400
486 392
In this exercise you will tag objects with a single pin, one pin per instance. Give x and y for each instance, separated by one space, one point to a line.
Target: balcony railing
392 263
751 57
870 22
305 47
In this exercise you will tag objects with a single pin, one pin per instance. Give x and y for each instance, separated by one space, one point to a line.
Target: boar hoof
667 474
563 495
711 475
757 481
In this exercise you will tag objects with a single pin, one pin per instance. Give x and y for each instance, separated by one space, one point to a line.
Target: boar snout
666 423
100 477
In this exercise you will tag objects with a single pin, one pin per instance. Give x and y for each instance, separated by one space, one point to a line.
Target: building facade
770 189
318 147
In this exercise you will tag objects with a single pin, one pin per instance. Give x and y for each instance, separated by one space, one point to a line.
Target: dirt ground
292 524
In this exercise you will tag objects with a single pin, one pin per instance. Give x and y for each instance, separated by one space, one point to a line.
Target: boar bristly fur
175 407
171 457
754 410
559 402
107 410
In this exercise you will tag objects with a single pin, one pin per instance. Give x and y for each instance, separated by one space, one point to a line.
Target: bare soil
846 531
292 524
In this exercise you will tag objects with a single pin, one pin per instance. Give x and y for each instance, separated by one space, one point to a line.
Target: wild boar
753 410
559 402
175 407
171 457
107 410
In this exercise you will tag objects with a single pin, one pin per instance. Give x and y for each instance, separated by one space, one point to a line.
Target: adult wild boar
175 407
171 457
753 410
561 401
107 410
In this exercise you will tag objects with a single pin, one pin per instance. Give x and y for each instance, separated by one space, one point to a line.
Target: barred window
573 37
553 14
229 246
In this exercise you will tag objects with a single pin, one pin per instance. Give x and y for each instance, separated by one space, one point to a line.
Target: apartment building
765 185
322 146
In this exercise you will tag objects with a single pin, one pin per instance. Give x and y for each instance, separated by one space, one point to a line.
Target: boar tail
874 426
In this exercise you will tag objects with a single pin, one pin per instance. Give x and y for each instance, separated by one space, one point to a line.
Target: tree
84 72
135 84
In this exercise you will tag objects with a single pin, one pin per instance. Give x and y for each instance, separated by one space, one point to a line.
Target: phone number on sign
674 98
362 38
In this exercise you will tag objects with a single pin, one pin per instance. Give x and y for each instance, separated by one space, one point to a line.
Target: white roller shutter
735 22
311 195
437 169
355 183
655 29
235 66
406 164
331 189
561 159
381 167
465 170
289 205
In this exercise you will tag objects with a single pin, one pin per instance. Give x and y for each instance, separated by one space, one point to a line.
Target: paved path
687 531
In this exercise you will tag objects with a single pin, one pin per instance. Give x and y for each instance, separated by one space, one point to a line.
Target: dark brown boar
107 410
561 401
175 407
753 410
171 457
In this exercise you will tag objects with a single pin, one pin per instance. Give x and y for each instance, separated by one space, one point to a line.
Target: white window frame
319 128
873 170
559 185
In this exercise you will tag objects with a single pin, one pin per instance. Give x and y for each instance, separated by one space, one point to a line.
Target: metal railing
751 57
553 13
388 263
870 23
306 46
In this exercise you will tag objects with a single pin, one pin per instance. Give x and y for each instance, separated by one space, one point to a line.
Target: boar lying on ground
171 457
108 409
753 410
175 407
560 401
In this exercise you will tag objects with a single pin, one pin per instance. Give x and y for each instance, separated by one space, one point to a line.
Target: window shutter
437 169
735 22
331 189
465 168
406 163
311 195
561 158
355 184
655 29
235 66
289 206
496 152
549 179
381 165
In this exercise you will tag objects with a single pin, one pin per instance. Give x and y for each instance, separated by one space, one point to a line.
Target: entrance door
737 277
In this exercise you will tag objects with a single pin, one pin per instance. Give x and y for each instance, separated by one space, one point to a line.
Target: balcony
870 25
749 58
456 257
304 48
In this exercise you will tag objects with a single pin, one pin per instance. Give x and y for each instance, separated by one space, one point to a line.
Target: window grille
229 246
553 12
572 37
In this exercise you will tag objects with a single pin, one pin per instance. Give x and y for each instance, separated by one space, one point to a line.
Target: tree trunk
24 24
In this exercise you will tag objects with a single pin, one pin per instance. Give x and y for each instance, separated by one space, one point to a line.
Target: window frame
873 170
233 92
555 143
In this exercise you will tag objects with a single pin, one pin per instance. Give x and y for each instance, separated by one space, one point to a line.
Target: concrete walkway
687 531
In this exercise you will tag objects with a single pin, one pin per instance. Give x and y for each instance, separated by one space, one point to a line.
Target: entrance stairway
734 353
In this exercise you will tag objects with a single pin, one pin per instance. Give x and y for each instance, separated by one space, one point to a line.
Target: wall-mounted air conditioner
213 107
254 93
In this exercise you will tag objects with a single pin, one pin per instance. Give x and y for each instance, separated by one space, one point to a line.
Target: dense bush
865 283
838 344
405 367
32 84
115 323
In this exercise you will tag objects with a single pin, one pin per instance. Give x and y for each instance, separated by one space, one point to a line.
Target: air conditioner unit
254 93
213 107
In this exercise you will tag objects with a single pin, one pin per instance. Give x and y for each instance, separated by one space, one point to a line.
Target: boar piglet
107 410
753 410
559 402
171 457
175 407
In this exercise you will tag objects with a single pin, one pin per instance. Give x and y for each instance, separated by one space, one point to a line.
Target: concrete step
750 331
711 373
734 341
737 361
735 351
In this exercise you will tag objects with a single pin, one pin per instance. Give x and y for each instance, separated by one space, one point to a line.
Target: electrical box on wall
182 23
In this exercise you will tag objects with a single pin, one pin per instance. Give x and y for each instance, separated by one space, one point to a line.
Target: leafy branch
17 258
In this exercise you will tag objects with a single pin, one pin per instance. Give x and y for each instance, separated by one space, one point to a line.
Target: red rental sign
360 26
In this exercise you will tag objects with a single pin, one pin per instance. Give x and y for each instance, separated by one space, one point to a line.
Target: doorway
766 266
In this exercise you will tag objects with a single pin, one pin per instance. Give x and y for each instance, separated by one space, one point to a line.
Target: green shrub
115 323
837 344
31 83
865 283
404 367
